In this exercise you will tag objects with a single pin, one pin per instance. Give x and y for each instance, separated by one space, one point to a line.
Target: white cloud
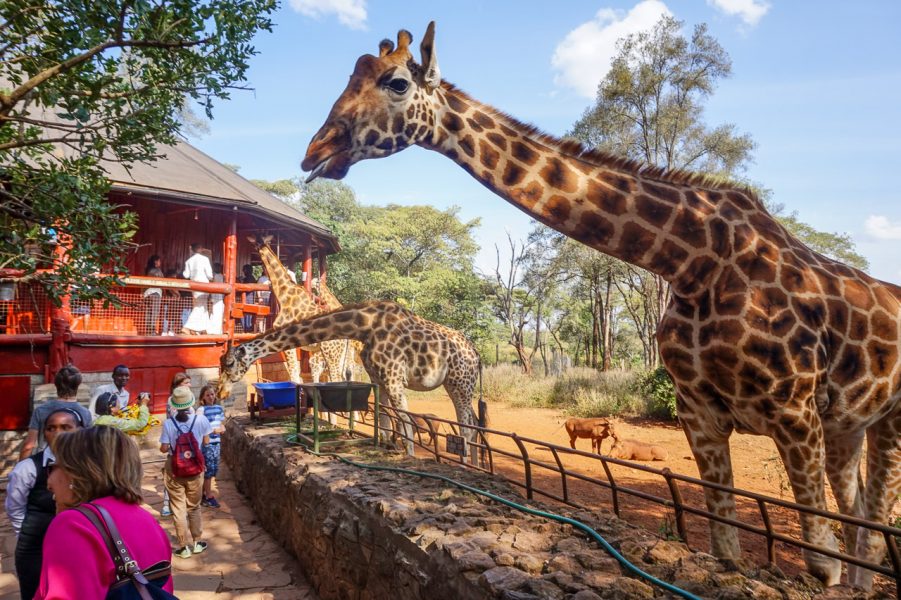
883 229
351 13
583 58
750 11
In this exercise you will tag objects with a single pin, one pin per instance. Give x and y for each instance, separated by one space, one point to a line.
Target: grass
580 392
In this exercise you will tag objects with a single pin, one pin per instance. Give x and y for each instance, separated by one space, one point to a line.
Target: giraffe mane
575 149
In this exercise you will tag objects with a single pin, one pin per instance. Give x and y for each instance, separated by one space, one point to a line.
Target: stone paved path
242 561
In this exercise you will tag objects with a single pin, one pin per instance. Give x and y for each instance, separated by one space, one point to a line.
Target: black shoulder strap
126 567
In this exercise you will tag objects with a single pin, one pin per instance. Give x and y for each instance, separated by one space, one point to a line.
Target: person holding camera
110 414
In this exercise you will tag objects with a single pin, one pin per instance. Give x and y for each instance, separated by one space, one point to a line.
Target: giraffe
352 348
296 303
400 351
761 335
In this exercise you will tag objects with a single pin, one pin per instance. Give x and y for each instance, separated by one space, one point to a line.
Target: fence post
562 474
770 540
677 504
526 465
892 549
614 493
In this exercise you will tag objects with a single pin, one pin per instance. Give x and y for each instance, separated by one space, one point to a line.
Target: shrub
659 393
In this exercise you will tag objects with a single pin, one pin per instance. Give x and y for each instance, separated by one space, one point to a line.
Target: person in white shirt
121 375
198 268
217 311
30 505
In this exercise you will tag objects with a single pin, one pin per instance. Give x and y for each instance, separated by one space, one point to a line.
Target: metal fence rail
427 433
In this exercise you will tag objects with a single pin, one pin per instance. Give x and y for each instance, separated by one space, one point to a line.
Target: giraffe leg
799 439
710 447
293 365
882 491
394 389
461 395
843 470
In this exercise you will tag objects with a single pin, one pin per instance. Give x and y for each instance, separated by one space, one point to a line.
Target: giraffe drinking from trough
762 335
400 351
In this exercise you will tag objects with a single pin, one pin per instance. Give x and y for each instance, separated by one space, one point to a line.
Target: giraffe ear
432 77
267 239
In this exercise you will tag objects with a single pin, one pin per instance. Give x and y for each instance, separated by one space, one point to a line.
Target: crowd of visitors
78 482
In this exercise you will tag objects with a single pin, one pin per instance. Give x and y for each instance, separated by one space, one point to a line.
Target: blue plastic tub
277 394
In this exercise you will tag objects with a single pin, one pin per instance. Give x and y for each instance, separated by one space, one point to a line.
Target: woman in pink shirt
100 465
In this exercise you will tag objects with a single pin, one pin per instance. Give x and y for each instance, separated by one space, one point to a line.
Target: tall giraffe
400 351
295 304
762 335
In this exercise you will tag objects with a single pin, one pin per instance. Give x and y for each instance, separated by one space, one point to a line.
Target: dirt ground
756 464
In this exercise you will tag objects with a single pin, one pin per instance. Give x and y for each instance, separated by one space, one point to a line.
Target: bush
659 393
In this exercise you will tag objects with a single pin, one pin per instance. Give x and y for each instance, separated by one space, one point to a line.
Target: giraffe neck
667 226
352 323
286 291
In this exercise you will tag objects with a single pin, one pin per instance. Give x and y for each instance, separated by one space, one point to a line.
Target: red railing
25 308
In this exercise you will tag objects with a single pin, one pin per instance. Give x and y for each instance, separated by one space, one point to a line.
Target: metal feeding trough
338 396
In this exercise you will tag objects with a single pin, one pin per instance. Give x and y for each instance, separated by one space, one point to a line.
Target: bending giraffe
295 304
400 351
762 335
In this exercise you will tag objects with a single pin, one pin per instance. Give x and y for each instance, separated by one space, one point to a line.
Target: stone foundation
366 535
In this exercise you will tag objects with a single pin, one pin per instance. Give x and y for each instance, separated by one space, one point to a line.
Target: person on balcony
121 375
153 297
217 311
199 269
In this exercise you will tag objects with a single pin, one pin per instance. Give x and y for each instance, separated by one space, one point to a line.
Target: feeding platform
339 396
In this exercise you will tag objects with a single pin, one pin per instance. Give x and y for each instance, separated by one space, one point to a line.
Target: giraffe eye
399 85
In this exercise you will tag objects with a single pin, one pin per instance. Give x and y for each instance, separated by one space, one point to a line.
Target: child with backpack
182 437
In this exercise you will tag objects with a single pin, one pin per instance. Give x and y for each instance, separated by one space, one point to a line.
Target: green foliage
659 393
650 104
418 256
85 81
838 246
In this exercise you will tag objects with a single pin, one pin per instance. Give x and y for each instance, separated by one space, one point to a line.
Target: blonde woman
100 465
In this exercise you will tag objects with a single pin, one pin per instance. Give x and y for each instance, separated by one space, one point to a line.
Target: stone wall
367 535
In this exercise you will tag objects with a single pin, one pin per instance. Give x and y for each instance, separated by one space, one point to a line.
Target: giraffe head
259 240
388 104
232 366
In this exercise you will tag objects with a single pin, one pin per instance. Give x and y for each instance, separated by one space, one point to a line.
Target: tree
82 82
418 256
514 300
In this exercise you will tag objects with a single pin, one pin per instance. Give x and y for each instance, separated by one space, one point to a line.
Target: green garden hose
532 511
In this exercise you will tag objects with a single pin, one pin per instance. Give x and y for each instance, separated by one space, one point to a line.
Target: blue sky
817 85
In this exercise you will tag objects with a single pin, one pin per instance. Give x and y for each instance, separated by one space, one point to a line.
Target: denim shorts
211 458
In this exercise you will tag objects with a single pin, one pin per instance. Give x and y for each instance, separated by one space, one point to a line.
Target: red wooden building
185 198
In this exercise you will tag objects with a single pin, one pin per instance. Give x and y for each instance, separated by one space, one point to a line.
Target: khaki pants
184 499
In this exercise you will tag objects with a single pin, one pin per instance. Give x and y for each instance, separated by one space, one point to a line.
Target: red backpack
187 459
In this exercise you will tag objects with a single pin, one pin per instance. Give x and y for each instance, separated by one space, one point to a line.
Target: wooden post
230 260
308 266
60 322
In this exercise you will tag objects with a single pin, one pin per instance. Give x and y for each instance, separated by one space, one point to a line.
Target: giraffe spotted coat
762 335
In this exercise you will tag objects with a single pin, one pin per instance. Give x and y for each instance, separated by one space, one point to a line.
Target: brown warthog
635 450
597 429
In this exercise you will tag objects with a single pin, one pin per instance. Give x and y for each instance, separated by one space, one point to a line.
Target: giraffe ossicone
762 335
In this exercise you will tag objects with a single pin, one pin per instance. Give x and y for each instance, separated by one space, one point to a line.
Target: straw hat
182 398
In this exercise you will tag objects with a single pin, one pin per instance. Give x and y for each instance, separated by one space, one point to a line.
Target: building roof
187 175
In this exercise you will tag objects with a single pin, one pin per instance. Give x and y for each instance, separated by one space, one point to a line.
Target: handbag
132 583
